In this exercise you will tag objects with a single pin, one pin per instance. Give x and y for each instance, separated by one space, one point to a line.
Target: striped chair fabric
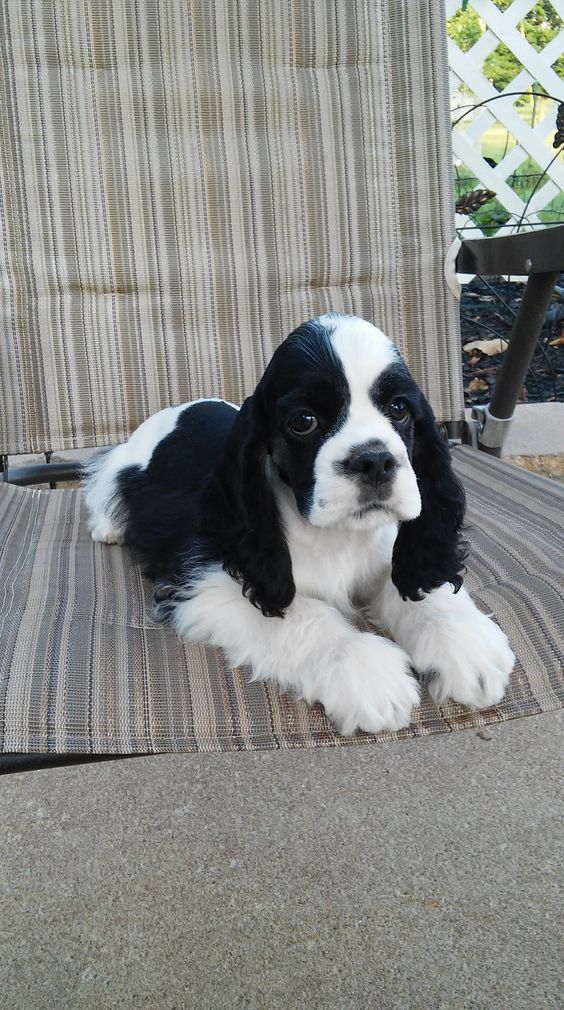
181 184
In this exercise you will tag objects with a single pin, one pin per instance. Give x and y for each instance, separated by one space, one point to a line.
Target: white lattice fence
470 85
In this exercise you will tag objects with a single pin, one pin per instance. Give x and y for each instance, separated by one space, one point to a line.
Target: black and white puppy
269 529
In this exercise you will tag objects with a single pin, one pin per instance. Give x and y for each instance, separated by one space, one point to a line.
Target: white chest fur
331 564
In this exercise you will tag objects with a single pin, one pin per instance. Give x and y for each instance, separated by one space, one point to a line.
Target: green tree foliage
464 28
539 26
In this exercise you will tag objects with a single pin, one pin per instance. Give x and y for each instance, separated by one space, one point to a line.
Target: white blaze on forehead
364 351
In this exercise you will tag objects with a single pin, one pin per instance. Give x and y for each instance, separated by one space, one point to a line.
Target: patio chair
181 185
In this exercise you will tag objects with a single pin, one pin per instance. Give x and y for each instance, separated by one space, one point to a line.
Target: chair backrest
183 183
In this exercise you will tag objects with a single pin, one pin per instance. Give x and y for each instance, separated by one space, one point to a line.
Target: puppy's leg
459 652
100 496
106 514
362 681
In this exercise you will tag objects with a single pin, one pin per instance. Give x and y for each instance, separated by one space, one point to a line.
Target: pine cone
470 202
559 135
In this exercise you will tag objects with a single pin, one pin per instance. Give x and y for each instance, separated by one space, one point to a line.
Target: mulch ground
487 313
546 466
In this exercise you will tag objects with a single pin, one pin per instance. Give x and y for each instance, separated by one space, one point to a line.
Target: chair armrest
531 252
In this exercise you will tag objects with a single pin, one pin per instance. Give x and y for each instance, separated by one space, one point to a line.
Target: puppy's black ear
240 516
428 550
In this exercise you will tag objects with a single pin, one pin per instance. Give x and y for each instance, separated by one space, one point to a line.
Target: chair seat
83 670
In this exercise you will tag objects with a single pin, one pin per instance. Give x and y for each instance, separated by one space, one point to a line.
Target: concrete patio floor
421 874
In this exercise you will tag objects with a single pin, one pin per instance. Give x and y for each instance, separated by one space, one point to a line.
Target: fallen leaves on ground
494 346
477 386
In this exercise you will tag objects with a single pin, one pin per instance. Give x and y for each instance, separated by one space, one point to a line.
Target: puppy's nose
372 465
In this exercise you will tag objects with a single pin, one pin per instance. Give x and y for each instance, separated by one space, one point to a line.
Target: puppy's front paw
102 531
470 663
372 689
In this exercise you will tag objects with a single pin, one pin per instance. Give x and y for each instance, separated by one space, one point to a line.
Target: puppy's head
341 408
351 434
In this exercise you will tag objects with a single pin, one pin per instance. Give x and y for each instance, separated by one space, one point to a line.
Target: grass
496 142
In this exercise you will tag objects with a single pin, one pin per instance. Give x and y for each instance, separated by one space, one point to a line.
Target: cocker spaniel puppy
268 530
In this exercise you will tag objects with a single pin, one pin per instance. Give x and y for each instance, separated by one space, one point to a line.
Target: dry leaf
489 347
477 386
558 342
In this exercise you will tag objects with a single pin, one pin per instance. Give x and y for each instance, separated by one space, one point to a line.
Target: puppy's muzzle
370 465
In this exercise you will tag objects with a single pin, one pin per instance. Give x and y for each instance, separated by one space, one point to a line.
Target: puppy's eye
398 409
302 424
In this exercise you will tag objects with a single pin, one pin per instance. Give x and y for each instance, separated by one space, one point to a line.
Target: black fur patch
396 381
161 501
428 550
305 375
